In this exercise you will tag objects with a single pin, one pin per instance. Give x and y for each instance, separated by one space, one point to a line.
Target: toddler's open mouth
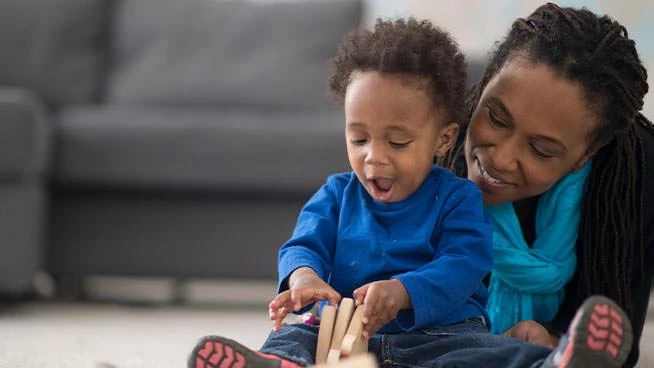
382 188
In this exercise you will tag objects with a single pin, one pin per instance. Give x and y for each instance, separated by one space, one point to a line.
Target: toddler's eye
399 144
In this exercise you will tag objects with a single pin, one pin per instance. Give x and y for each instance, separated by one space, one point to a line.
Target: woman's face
528 131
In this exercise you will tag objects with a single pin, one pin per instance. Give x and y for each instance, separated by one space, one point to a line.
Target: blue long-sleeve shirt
437 242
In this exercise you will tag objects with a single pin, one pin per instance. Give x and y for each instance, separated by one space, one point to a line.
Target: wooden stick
343 317
361 346
353 341
325 332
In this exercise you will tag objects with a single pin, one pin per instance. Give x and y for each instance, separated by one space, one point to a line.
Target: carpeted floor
105 335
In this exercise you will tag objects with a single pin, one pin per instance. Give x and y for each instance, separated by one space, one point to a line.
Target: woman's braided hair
595 53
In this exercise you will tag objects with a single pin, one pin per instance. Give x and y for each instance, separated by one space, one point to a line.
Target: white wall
478 24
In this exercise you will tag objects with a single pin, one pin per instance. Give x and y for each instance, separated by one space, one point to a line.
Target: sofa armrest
24 134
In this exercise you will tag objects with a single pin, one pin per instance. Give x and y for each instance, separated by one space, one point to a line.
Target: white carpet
64 335
107 336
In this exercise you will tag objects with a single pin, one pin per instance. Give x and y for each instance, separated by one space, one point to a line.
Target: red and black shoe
599 336
220 352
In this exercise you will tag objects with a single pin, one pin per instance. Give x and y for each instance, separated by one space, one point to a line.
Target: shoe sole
600 333
221 352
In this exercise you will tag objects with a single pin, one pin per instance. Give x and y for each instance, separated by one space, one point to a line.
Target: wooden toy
353 342
325 333
343 317
339 335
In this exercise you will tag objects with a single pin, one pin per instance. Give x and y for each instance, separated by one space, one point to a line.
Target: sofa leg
179 291
69 288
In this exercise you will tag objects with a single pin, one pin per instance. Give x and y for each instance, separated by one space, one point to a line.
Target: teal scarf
528 282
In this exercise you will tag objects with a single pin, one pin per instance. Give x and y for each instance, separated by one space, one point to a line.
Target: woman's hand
381 300
305 287
533 332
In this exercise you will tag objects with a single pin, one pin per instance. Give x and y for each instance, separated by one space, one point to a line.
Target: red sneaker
599 336
220 352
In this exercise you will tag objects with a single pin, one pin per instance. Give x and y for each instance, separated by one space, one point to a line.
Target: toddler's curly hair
406 47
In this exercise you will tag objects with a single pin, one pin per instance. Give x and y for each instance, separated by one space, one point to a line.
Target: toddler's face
393 132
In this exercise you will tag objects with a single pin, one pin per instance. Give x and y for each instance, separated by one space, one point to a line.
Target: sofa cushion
203 149
229 53
53 47
25 136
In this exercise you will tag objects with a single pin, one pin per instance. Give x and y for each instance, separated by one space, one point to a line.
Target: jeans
462 344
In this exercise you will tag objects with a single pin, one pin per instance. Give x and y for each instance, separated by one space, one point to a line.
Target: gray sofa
162 137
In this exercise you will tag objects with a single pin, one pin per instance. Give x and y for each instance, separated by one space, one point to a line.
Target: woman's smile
488 179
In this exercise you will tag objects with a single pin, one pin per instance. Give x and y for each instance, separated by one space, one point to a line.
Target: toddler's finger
360 294
282 299
328 294
367 331
278 321
299 298
368 311
276 313
333 297
277 325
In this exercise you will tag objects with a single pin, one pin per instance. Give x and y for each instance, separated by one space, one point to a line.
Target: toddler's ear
446 138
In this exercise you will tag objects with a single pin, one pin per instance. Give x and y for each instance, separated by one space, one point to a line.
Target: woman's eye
495 121
399 144
540 152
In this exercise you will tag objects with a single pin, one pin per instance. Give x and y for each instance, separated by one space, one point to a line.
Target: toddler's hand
305 287
381 300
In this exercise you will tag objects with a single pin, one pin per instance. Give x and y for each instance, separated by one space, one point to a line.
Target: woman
565 162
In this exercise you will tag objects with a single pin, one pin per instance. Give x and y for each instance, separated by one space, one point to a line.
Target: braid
596 54
612 221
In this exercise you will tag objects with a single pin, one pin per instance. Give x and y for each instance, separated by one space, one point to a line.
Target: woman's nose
505 156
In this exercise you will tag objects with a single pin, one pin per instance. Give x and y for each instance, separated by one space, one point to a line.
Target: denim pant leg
295 342
488 350
465 344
